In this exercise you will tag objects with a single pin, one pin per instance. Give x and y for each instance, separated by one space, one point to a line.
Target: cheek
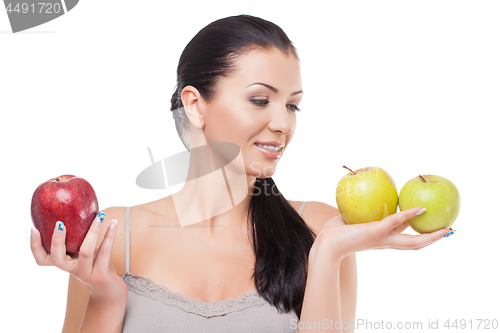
233 125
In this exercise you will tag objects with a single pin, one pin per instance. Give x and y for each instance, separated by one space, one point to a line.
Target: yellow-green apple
366 195
69 199
437 195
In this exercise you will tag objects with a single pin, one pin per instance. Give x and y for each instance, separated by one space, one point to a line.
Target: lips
267 151
271 143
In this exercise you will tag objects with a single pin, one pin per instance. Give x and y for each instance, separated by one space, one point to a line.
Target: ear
193 104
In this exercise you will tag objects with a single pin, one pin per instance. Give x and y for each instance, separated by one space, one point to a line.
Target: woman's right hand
91 266
341 239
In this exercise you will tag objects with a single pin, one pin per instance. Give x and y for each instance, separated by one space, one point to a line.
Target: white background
409 86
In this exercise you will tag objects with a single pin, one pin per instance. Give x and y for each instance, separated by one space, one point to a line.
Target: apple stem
349 169
423 179
57 179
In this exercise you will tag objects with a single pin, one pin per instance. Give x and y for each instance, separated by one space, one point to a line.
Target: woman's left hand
400 228
341 239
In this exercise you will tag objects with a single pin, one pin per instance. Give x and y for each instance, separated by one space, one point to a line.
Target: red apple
69 199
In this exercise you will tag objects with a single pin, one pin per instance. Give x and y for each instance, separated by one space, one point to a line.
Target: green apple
437 195
366 195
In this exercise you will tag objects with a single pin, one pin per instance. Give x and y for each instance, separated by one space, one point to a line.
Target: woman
227 253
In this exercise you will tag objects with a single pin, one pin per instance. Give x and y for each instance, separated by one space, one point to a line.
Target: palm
343 239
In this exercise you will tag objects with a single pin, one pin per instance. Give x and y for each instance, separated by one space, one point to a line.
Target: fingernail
59 228
420 211
112 224
33 233
99 218
449 233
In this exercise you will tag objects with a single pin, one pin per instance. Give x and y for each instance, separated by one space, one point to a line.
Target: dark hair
281 238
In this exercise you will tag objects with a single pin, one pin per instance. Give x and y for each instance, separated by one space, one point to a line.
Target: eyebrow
273 89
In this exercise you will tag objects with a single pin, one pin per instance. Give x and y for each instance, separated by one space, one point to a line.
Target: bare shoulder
139 215
316 213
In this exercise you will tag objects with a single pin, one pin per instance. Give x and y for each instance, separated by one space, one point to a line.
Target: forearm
102 317
321 308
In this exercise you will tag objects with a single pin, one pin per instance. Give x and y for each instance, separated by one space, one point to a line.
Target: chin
261 170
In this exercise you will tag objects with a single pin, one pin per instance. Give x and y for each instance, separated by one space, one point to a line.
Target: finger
414 242
103 257
58 254
42 258
400 228
86 254
394 220
447 232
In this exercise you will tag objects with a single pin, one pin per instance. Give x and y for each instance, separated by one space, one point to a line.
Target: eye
259 102
293 107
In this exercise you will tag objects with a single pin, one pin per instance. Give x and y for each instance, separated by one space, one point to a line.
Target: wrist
323 249
100 301
323 265
321 254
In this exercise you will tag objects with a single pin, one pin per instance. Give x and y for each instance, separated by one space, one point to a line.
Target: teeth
272 148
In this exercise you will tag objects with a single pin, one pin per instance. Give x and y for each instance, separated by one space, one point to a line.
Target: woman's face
256 103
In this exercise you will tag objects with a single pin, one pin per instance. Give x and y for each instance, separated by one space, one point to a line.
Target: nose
281 120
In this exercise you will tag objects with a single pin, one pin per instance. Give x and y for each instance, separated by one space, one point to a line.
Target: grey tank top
152 308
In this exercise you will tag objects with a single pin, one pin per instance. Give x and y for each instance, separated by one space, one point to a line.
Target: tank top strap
127 245
301 207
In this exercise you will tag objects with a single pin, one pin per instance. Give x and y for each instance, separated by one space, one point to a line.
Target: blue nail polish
59 228
101 216
449 234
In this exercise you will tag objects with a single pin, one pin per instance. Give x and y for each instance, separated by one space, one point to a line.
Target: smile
270 151
268 147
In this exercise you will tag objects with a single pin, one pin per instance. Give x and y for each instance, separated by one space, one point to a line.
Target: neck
217 192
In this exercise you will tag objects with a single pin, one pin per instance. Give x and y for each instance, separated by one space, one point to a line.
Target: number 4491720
486 324
47 8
